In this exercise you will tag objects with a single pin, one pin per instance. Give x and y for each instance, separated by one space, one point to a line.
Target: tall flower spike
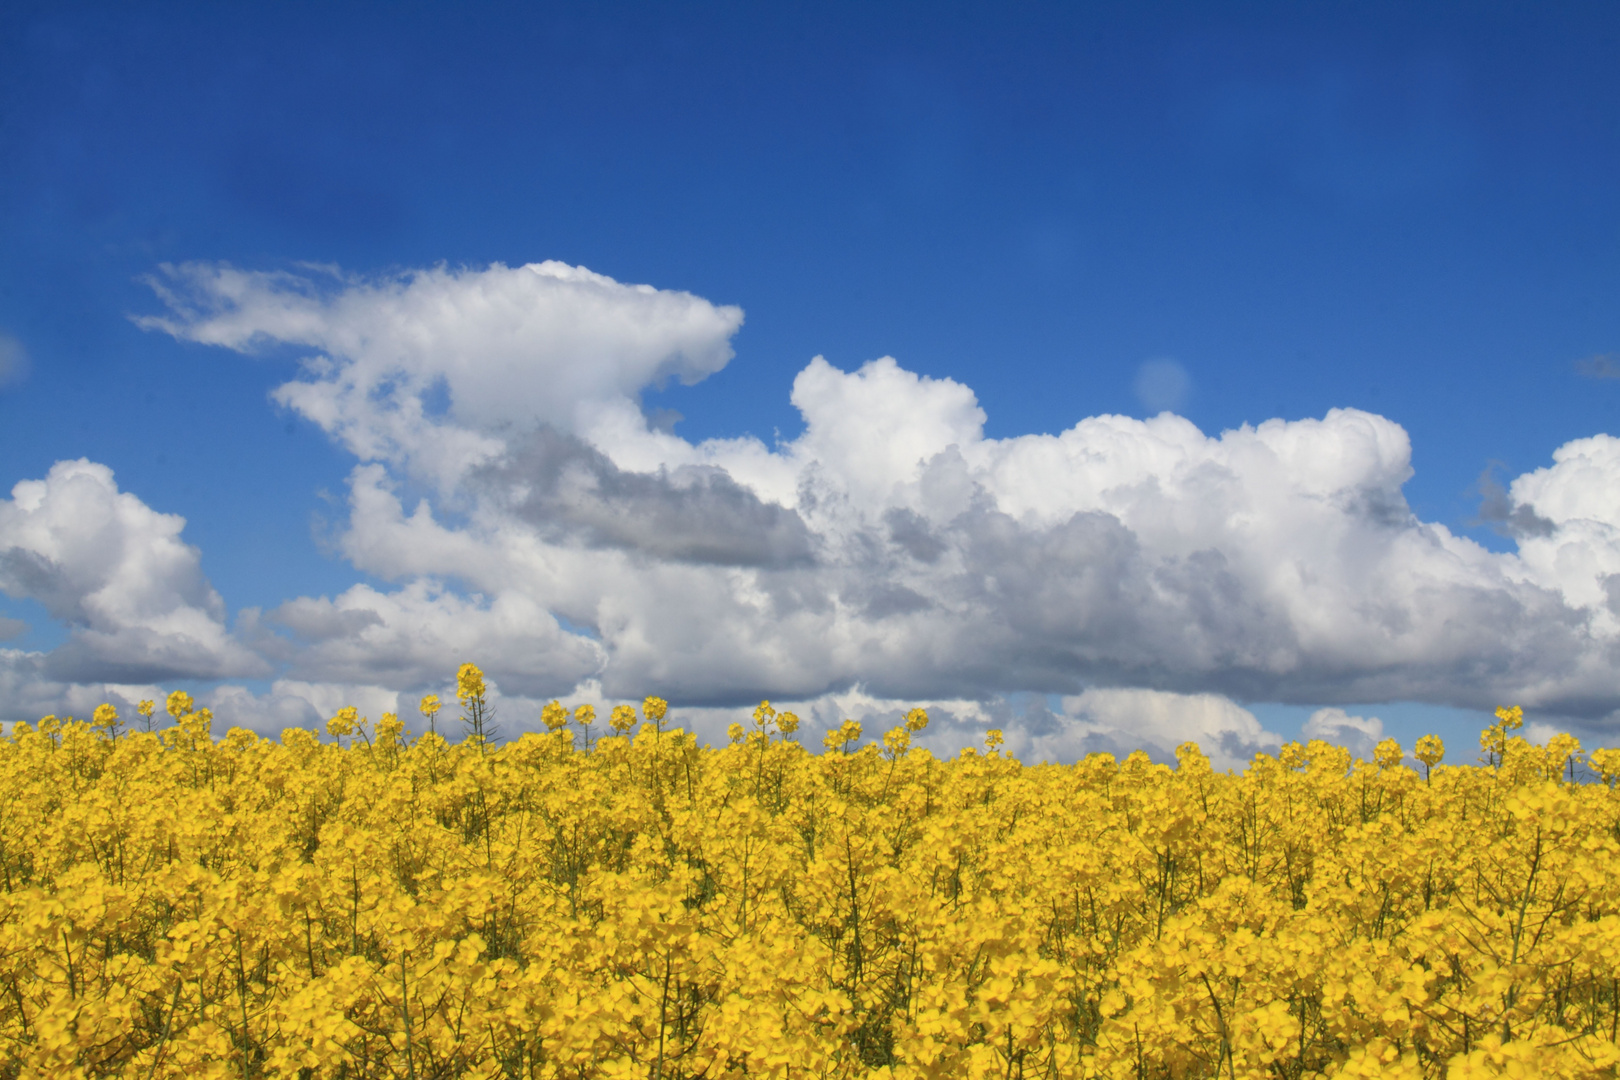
585 716
469 683
430 708
1494 739
105 719
470 691
1429 750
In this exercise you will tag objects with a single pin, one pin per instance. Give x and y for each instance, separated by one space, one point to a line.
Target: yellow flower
554 716
180 703
184 906
1562 750
1388 754
343 723
916 719
1607 764
105 721
847 734
654 708
585 715
469 684
1495 741
896 742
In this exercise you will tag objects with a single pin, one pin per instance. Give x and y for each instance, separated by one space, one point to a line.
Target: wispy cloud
1600 366
1163 385
14 361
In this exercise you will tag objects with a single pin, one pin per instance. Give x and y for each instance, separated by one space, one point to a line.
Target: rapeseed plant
380 905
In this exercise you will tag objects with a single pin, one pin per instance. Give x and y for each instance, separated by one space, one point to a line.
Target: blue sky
1242 212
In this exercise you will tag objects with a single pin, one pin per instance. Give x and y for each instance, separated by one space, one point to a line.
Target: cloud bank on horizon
1145 573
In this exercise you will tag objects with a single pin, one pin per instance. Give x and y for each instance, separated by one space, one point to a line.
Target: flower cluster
373 904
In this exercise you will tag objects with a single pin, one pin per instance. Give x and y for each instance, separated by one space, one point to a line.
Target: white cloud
870 432
409 637
1277 562
28 691
118 575
1358 734
1120 720
1576 504
1150 574
1115 721
502 346
286 705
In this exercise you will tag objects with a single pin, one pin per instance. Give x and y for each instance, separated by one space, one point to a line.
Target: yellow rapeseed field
584 904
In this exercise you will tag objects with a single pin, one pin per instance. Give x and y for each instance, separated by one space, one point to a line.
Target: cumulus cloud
407 638
1112 721
424 369
117 574
28 691
1155 720
1498 509
1115 721
1358 734
567 489
1271 563
1577 552
1146 574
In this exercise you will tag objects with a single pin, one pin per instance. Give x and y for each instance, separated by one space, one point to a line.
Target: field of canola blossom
634 905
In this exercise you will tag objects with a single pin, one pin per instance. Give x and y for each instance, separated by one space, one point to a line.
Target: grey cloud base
569 491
